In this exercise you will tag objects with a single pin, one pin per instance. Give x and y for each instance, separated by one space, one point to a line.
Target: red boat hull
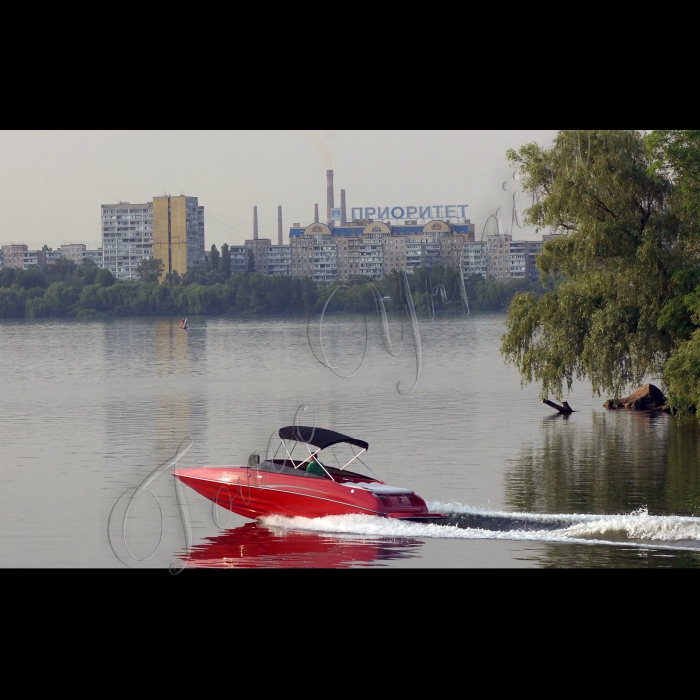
253 494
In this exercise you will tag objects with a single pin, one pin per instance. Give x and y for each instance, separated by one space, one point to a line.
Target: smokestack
315 213
330 203
343 208
255 223
279 226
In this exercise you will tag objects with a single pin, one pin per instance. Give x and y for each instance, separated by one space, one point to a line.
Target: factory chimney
279 227
330 203
315 213
255 223
343 208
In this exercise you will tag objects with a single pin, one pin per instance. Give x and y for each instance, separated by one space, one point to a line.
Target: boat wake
637 528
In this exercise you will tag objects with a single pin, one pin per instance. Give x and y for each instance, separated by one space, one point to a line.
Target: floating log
565 409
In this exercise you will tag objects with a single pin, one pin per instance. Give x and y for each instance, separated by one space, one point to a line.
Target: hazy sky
53 182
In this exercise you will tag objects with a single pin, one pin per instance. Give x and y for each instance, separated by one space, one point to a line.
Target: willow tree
623 271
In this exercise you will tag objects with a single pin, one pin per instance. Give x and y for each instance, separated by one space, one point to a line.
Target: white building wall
127 237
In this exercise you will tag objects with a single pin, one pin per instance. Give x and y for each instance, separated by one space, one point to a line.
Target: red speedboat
282 485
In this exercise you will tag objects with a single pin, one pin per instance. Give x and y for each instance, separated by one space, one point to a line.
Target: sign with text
447 211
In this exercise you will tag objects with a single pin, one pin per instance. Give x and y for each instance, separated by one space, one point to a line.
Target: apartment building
127 237
498 251
394 253
168 228
34 259
239 258
372 256
74 252
178 233
475 259
93 255
349 261
52 256
260 249
13 255
523 260
302 249
280 260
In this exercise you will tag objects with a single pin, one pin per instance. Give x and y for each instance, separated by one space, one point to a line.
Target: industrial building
340 249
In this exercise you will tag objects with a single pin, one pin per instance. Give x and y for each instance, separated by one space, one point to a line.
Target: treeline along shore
65 289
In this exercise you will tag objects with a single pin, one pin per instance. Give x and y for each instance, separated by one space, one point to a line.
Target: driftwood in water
646 398
565 409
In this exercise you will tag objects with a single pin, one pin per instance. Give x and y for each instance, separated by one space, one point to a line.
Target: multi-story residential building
260 248
168 228
93 255
475 259
394 249
18 256
414 252
552 237
374 248
280 260
74 252
523 260
127 237
13 255
34 259
498 251
315 255
303 256
239 258
372 255
52 256
348 256
178 233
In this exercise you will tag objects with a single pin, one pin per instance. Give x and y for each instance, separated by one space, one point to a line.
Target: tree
629 251
32 278
104 278
173 278
250 265
60 270
225 264
150 270
214 257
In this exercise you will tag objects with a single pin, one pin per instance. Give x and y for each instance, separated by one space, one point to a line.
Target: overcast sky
53 182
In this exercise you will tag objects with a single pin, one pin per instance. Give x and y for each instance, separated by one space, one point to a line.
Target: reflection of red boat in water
306 486
253 546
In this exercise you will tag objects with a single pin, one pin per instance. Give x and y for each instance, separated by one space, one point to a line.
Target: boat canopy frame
322 439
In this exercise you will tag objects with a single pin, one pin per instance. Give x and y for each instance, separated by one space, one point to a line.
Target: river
91 407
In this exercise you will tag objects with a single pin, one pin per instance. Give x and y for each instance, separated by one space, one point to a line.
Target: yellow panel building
178 233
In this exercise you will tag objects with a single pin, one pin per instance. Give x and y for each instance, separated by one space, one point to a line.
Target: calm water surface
91 407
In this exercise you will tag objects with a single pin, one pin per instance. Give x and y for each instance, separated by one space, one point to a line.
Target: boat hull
253 494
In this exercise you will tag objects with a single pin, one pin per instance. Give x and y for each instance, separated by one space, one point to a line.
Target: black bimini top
318 437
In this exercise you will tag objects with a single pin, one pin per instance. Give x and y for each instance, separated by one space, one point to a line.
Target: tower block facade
178 233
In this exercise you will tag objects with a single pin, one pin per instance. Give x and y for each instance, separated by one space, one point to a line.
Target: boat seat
382 489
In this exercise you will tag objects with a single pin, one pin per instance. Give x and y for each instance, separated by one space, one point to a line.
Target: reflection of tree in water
575 556
622 462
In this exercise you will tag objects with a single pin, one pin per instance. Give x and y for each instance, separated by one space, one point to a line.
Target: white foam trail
638 527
